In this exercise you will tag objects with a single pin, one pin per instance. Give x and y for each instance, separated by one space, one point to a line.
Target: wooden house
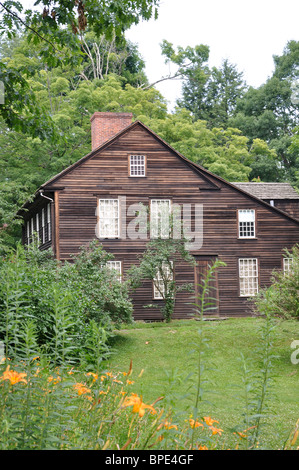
281 195
130 164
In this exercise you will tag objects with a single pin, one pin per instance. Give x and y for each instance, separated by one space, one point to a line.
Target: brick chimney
106 125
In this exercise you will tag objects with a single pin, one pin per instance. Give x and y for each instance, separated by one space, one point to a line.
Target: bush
281 298
68 303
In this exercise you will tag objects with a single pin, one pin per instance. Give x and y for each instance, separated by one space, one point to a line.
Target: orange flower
216 431
209 421
13 376
202 448
81 389
138 405
195 424
54 380
167 425
95 376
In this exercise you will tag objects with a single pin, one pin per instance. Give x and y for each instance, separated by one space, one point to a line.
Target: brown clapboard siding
104 173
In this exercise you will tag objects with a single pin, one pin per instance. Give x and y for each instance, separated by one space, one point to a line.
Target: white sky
248 34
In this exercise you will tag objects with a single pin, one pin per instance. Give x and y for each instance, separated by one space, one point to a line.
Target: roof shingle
269 190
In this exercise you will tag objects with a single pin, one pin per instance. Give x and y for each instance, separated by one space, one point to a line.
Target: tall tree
57 25
213 98
269 112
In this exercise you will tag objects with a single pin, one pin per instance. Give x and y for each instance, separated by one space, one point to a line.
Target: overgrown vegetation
281 298
68 309
96 405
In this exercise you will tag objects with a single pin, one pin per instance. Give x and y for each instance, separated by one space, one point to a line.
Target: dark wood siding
105 174
290 206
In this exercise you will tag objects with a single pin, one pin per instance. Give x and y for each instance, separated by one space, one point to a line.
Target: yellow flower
138 405
13 376
81 389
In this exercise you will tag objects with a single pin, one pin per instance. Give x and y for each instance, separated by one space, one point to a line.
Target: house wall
106 175
290 206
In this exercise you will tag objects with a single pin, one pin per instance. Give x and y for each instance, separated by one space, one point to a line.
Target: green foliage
212 95
158 263
57 30
281 298
71 307
222 151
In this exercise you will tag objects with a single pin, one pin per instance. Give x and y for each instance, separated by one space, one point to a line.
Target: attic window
137 165
246 223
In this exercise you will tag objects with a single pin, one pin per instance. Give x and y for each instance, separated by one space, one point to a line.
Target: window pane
248 275
108 218
158 282
116 265
287 265
137 165
247 223
160 213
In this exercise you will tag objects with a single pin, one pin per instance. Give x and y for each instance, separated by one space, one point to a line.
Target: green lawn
166 353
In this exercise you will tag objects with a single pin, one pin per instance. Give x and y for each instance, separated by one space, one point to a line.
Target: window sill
247 238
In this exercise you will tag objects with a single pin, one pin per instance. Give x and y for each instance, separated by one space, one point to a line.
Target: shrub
68 303
281 298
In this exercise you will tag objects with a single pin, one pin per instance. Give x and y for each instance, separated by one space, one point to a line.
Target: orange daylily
195 424
81 389
138 405
95 376
209 421
216 431
55 380
13 376
167 425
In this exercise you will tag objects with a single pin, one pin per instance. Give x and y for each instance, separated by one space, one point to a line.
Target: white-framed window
137 165
158 281
49 222
28 232
108 218
37 223
43 226
248 276
160 217
246 223
117 266
287 265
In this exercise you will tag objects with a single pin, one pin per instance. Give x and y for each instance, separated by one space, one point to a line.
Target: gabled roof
270 191
204 173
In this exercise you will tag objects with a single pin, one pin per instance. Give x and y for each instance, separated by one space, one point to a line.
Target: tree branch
26 26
